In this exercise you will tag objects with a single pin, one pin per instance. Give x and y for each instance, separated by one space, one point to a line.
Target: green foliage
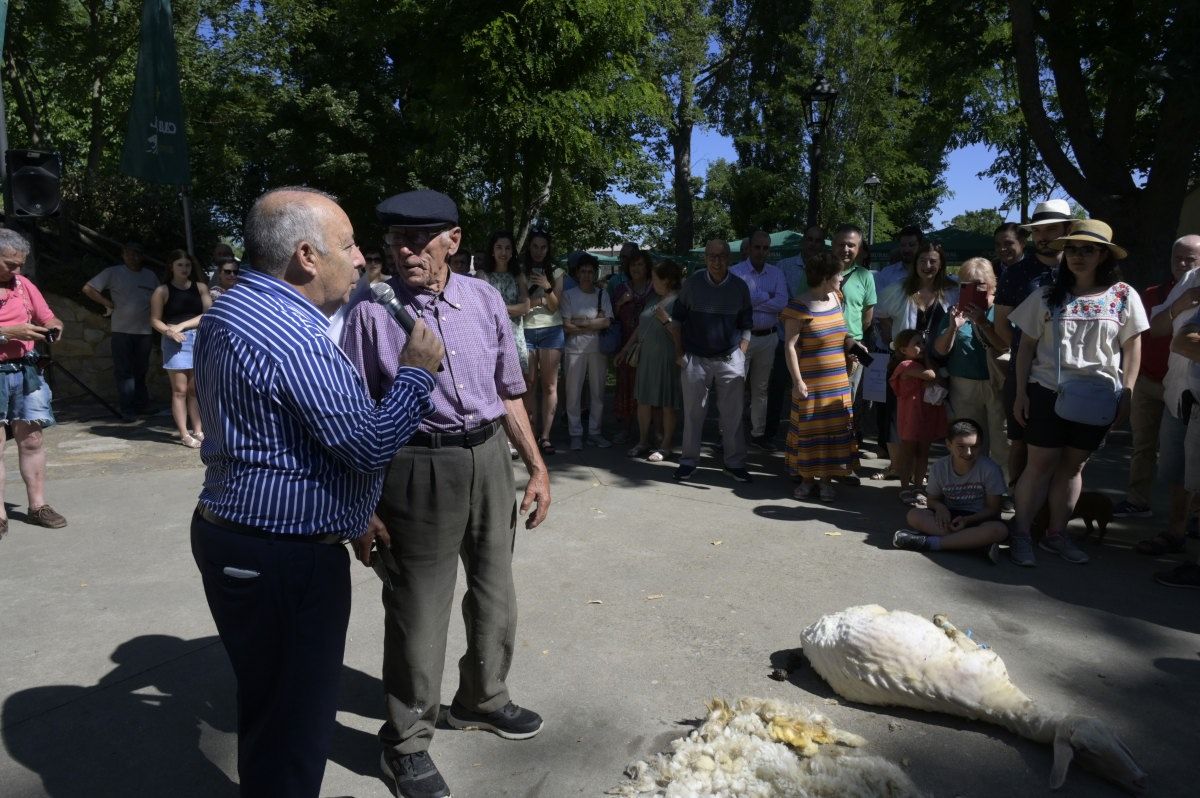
983 221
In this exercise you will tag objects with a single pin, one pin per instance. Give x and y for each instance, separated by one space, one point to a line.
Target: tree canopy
578 116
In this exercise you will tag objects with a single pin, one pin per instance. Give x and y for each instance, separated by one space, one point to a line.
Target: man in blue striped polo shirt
295 451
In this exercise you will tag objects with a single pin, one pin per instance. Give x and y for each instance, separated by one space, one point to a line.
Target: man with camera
25 319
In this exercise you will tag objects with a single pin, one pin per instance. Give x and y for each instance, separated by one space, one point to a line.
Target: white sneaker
576 443
599 441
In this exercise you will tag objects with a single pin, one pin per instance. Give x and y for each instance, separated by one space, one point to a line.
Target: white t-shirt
1178 366
130 292
578 306
966 492
1092 330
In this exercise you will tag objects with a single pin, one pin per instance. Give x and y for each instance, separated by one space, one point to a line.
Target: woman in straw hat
1082 327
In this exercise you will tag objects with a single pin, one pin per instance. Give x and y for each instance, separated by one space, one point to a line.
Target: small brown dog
1095 509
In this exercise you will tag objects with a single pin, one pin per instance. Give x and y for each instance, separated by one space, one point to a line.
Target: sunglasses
230 271
1086 250
373 259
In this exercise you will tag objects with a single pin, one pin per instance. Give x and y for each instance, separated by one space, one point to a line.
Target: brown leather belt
328 538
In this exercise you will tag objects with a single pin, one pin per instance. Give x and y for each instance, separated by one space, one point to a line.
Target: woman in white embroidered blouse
1085 325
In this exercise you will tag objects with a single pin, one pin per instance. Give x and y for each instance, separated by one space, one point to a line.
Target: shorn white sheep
757 748
873 656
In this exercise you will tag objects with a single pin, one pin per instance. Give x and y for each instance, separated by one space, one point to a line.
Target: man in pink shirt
25 319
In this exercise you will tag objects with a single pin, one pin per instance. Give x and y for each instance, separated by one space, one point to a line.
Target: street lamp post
872 184
818 110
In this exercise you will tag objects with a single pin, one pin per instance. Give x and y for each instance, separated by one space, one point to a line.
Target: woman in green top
543 335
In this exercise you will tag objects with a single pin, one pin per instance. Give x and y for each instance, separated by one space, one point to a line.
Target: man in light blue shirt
768 296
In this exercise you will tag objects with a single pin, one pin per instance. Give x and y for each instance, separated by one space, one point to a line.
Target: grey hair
12 241
274 229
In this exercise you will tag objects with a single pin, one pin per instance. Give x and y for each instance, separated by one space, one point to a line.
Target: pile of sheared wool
760 748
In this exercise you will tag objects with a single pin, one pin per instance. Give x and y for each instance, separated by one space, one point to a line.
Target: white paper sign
874 387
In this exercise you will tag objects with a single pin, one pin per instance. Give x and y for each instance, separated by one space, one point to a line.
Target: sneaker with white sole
1127 509
510 721
1020 551
414 775
1062 545
910 540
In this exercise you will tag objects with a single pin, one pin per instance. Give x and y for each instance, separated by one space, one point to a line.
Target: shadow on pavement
162 722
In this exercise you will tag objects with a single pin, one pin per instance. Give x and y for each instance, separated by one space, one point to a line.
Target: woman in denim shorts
543 335
175 310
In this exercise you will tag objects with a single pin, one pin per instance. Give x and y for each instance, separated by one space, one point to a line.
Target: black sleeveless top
182 305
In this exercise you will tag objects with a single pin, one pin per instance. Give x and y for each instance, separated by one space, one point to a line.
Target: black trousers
281 609
779 390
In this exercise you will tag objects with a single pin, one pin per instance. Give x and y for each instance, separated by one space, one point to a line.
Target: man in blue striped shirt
295 454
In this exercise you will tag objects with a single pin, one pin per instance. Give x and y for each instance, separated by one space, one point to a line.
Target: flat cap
423 208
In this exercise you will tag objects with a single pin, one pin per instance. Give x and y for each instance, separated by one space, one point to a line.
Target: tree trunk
1144 220
681 148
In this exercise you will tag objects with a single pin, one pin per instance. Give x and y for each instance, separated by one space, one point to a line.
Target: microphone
384 295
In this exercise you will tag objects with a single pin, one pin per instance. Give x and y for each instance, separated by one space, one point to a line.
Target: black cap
423 208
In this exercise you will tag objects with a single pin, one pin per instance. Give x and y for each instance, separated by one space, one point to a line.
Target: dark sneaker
510 721
762 442
1184 575
414 775
1007 505
1020 551
740 474
683 472
908 539
1127 509
1064 547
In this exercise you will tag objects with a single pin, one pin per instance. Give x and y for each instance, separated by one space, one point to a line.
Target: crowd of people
326 419
1005 348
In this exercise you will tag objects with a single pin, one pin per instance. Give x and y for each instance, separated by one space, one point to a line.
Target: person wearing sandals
657 386
965 491
25 319
1186 347
175 310
919 422
820 441
544 335
1169 319
629 298
1084 329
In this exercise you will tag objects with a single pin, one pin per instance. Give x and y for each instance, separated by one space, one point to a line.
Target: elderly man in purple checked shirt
768 296
448 493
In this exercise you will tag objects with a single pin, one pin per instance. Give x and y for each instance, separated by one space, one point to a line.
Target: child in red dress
918 422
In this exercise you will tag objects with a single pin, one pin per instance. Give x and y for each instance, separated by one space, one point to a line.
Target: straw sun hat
1090 231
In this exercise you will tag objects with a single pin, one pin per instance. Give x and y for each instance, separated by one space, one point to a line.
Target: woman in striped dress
820 440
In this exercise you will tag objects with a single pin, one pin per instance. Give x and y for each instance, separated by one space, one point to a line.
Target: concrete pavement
640 599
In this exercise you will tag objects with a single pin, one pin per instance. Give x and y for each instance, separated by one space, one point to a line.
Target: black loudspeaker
32 189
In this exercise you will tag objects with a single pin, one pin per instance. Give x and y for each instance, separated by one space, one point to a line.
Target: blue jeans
131 359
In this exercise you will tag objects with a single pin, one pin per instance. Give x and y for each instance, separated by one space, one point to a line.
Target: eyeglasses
234 272
1086 250
413 239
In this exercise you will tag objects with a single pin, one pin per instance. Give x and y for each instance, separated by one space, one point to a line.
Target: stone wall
84 350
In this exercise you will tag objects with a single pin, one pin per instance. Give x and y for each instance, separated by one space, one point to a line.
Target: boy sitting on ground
965 490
